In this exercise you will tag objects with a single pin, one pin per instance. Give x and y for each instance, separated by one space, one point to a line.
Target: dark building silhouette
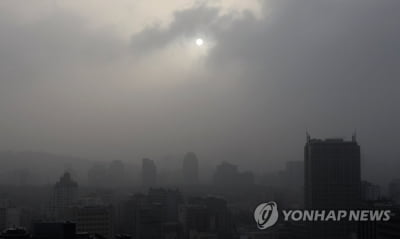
158 216
149 173
370 191
170 199
93 219
206 217
126 214
155 215
332 181
190 169
54 230
394 190
332 174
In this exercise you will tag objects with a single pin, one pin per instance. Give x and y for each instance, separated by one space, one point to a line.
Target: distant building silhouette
97 176
65 195
190 169
228 175
291 183
294 175
332 181
149 173
370 192
116 173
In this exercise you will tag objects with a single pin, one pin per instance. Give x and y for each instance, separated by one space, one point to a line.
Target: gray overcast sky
125 79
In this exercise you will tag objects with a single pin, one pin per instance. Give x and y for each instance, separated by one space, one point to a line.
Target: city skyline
113 206
199 119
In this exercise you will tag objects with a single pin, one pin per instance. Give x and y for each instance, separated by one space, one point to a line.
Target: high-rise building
65 195
332 181
190 169
149 173
332 174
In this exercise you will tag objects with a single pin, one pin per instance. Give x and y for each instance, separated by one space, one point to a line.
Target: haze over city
124 80
204 119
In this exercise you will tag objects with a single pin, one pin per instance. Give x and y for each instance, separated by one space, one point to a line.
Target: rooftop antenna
308 138
354 136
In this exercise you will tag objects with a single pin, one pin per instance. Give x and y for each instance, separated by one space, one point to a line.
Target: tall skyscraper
332 173
65 194
190 169
332 181
149 173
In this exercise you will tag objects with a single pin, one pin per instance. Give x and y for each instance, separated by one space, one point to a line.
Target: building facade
332 181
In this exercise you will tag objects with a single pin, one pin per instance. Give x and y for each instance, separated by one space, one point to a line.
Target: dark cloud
329 66
186 23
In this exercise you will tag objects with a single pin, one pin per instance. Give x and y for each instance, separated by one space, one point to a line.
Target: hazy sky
125 79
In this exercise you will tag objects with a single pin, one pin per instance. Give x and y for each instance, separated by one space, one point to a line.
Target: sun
199 42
